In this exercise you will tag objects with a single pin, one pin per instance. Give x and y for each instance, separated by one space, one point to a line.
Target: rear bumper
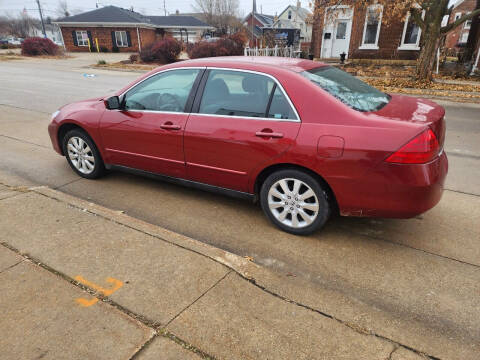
397 190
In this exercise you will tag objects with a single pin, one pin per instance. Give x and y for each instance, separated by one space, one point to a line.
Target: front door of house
341 37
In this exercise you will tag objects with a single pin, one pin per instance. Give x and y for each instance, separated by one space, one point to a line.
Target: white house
52 31
296 17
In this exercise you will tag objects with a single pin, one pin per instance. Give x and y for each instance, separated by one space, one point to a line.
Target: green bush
101 62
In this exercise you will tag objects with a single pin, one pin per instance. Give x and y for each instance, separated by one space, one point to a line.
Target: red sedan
304 138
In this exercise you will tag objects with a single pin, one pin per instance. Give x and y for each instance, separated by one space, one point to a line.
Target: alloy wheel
81 155
293 203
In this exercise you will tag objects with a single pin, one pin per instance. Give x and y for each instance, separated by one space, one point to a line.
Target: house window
468 23
464 38
121 38
289 15
457 16
411 34
82 38
371 30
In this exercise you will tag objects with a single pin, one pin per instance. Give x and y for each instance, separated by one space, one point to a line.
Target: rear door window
244 94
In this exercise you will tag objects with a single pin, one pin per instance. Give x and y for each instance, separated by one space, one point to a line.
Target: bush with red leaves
165 51
35 46
203 49
227 46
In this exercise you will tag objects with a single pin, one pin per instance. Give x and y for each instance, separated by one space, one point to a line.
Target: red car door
147 133
240 122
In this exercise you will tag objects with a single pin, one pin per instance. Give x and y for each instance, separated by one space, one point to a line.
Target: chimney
177 12
299 4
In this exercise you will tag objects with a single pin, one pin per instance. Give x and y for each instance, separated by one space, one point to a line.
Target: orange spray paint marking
117 284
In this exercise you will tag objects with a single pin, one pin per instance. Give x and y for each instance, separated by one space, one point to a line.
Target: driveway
415 281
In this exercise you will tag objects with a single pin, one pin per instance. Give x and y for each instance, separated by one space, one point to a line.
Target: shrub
227 46
4 46
146 54
101 62
115 49
164 51
203 49
39 46
103 49
134 58
167 50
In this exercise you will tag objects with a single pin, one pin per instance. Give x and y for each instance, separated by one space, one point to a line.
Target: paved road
415 281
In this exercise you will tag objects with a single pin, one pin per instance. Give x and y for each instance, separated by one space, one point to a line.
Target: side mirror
113 103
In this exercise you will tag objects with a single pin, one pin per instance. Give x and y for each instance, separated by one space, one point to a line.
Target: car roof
254 62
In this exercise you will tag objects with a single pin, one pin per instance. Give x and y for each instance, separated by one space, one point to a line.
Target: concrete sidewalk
79 281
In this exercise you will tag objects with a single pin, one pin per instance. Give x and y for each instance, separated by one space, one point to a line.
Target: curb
242 266
138 71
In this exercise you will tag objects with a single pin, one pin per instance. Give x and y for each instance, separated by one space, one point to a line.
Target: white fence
287 51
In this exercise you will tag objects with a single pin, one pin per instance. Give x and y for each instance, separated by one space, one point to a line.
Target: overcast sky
149 7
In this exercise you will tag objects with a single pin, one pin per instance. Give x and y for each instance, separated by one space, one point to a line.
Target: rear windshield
347 88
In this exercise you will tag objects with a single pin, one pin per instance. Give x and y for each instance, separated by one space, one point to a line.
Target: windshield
347 88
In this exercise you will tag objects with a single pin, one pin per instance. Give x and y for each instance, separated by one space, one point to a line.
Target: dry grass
123 66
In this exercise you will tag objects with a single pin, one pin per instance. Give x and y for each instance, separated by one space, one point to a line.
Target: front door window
166 92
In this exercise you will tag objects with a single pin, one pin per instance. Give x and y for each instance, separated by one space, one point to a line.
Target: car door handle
269 134
170 126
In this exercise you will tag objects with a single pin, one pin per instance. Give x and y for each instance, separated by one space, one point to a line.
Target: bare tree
427 15
17 26
62 8
223 14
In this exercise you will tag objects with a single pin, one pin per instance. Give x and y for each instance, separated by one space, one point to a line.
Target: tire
77 143
281 200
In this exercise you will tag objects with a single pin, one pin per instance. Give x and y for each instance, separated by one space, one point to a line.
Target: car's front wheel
295 201
82 154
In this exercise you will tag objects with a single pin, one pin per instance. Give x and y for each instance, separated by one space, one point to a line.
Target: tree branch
460 21
416 14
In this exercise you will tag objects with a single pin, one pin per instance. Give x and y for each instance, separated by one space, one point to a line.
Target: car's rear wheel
295 201
82 154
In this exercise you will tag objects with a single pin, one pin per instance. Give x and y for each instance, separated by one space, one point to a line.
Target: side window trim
199 96
201 89
191 95
193 91
267 111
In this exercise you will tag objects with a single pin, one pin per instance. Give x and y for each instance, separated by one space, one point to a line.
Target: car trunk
416 110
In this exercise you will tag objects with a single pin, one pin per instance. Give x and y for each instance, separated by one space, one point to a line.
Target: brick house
257 22
360 33
115 29
458 37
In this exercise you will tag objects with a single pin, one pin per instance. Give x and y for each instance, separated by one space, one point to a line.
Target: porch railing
287 51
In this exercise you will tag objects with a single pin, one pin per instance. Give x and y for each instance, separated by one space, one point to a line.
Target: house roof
266 20
114 14
177 20
107 14
302 12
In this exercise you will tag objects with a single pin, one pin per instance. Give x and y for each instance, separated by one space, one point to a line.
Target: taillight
419 150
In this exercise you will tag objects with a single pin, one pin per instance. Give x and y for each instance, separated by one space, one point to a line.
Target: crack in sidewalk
24 141
202 295
11 266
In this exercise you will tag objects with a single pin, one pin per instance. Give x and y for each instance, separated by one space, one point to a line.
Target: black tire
320 200
98 165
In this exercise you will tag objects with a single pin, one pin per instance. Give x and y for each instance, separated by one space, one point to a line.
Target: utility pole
164 8
41 18
254 9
